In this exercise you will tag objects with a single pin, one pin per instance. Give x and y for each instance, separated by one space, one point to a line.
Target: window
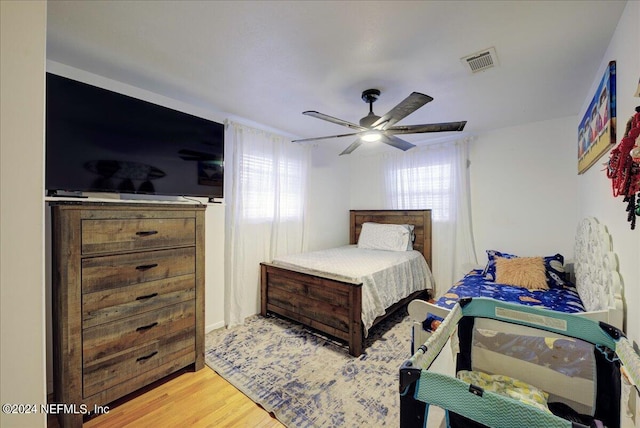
272 189
426 187
264 212
436 177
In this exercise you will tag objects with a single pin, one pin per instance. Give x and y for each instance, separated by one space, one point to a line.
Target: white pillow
390 237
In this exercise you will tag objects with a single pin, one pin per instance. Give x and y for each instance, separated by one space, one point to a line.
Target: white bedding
386 276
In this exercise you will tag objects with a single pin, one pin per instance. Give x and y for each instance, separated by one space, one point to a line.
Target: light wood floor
191 399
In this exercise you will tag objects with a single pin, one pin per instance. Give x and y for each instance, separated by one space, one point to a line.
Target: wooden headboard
421 219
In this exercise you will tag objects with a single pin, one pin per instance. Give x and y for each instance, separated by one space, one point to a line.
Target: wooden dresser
128 298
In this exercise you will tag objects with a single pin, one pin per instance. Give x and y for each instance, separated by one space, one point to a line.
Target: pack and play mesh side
569 359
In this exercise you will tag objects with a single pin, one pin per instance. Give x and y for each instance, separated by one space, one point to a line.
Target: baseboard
213 326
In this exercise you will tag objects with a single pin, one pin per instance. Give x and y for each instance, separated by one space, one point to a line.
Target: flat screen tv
102 141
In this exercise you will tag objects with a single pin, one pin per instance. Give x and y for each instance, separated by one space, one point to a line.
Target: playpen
518 365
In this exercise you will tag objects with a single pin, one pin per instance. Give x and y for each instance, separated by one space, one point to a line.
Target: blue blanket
562 299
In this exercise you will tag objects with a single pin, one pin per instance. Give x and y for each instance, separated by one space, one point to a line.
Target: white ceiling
268 61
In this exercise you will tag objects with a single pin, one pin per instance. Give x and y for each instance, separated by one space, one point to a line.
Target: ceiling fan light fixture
375 128
371 137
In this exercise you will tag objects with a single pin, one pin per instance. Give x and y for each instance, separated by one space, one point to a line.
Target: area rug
307 380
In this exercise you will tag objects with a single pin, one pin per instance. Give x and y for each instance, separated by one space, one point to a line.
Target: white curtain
265 186
436 177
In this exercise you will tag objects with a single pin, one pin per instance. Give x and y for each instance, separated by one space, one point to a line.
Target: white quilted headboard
596 268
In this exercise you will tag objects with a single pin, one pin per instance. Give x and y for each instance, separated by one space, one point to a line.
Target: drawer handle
147 327
148 296
147 267
146 357
144 233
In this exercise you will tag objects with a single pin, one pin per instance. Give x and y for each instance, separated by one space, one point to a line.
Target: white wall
523 189
22 326
214 270
327 218
513 172
367 182
594 188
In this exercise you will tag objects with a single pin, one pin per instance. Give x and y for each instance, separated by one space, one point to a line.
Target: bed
332 301
593 291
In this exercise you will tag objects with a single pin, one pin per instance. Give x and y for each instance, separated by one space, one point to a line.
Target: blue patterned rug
307 380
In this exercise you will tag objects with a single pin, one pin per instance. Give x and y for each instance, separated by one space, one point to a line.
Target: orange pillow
527 272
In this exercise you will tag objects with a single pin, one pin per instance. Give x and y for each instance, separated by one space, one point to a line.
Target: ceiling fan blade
352 147
429 127
407 106
396 142
324 138
334 120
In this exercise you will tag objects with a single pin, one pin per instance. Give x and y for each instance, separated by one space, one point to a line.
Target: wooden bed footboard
328 304
332 306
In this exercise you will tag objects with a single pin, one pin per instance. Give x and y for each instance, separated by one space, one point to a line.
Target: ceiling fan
376 128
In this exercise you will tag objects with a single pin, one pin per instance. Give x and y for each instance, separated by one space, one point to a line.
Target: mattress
562 299
386 276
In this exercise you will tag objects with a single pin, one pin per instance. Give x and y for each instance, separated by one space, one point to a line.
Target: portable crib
522 366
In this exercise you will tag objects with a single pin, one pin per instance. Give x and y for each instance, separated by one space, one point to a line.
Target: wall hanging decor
597 130
624 168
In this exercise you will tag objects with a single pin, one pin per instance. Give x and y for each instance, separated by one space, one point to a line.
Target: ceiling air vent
481 61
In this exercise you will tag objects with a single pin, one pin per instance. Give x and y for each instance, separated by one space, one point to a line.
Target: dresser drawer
113 304
105 340
122 366
105 236
109 272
